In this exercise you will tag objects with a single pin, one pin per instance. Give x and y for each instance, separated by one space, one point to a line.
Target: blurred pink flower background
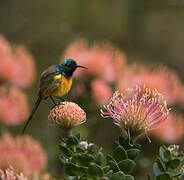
170 131
13 105
101 91
102 60
16 64
11 174
23 153
17 70
163 79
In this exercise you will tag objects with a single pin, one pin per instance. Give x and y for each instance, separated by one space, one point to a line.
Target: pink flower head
23 153
13 105
164 80
137 110
172 130
16 64
101 91
11 174
6 68
24 71
102 61
181 99
79 90
67 115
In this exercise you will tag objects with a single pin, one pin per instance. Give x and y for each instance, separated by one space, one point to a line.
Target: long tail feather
32 113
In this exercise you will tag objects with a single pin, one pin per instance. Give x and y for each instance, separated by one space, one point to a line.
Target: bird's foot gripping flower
137 110
67 115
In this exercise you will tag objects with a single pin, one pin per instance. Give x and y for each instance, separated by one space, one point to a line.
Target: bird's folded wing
48 83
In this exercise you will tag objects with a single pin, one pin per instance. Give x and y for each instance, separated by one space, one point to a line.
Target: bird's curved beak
81 67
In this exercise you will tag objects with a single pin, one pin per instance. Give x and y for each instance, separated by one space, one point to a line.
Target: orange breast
63 87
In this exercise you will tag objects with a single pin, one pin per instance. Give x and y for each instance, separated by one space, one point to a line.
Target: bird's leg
55 104
53 100
61 99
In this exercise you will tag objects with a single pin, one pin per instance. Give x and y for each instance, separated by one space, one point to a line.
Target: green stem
67 132
178 170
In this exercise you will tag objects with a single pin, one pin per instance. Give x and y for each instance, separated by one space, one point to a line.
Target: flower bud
67 115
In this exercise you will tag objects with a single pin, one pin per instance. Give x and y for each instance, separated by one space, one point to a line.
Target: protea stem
67 132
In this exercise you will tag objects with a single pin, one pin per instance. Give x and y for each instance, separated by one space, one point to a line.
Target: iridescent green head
68 67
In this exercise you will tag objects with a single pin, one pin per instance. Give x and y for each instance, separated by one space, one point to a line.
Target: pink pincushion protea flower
153 77
16 64
137 110
11 174
13 105
24 71
172 130
101 91
102 60
23 153
67 115
5 60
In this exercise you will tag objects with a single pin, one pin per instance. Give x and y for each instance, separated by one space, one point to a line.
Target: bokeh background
144 32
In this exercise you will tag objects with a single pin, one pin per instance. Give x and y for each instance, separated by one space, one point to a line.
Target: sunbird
55 81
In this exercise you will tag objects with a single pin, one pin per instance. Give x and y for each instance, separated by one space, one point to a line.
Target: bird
55 81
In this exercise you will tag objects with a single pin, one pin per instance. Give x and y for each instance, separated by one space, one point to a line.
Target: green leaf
91 148
73 170
164 177
79 150
105 178
72 141
133 153
165 154
173 164
66 151
63 159
129 177
62 143
182 177
119 154
99 158
110 158
95 170
158 167
126 165
118 176
81 178
115 145
137 146
113 166
85 159
70 178
74 159
109 173
125 143
106 169
121 140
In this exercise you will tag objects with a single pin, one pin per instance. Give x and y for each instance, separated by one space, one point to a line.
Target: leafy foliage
86 161
169 164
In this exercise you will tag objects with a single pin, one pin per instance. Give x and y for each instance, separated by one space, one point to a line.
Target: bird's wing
48 83
51 70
